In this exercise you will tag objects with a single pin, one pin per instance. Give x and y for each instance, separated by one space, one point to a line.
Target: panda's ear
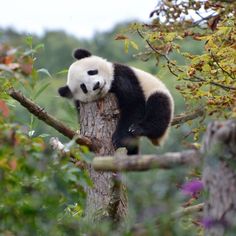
81 53
65 92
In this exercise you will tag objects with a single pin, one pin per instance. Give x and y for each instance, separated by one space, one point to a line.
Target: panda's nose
96 86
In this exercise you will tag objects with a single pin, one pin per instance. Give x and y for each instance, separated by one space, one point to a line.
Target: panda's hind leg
158 112
122 138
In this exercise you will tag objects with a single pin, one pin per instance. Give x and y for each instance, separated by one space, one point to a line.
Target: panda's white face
90 78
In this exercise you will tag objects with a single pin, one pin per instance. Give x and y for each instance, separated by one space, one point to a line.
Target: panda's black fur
138 116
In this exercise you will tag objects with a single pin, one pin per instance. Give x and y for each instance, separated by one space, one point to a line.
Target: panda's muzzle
96 86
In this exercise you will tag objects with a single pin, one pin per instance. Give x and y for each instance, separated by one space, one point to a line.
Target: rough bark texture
107 198
219 178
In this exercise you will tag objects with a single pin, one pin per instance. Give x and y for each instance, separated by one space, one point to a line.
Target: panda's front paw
135 130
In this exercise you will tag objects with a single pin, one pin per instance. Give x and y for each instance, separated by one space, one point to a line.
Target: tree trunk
219 177
107 197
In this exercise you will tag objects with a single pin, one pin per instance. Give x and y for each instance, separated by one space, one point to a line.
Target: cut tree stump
107 198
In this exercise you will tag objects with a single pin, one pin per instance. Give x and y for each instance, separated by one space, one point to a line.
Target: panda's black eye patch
83 87
92 72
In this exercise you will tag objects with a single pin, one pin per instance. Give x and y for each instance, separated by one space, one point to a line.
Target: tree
107 198
207 83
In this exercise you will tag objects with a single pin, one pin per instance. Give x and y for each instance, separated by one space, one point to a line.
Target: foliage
204 79
193 44
37 193
41 193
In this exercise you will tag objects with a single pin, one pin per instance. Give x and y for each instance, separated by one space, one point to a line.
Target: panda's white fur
150 85
146 104
77 74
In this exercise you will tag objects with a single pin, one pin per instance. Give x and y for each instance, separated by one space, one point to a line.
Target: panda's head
89 78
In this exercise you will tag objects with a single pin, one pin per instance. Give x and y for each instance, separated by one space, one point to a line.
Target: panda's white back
149 83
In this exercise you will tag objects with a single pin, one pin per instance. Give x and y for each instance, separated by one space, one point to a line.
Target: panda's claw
135 130
132 128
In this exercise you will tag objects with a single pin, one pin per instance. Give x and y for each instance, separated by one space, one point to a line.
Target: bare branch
121 162
140 229
65 152
49 119
188 210
179 119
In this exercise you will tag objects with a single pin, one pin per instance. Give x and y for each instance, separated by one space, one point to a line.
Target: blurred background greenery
38 206
56 56
41 191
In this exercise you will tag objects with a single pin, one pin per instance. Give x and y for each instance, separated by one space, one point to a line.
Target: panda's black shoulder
124 78
123 70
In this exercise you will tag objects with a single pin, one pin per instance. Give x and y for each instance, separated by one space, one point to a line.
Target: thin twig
65 152
180 119
140 229
188 210
223 70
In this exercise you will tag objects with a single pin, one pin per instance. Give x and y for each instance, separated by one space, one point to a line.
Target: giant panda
146 105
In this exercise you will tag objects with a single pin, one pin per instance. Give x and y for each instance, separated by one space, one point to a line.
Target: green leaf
62 72
39 46
41 90
44 135
29 52
29 41
44 71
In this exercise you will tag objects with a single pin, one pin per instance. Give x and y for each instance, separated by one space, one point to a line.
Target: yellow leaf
126 45
206 68
134 45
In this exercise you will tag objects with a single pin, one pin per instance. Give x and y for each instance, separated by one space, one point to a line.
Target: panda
146 105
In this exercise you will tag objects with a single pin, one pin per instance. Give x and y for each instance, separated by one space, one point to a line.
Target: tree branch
188 210
179 119
93 144
50 120
65 152
223 70
141 229
120 161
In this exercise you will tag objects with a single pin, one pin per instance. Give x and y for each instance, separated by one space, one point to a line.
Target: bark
107 197
219 177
